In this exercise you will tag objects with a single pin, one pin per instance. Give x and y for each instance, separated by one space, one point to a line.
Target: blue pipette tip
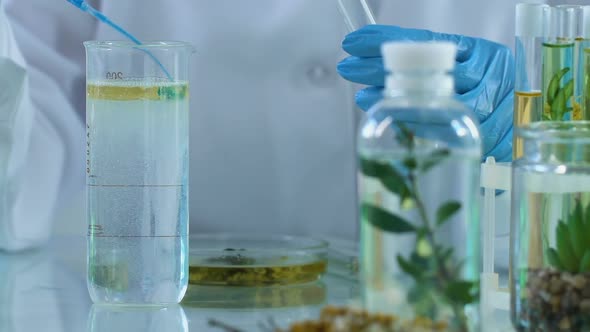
101 17
77 3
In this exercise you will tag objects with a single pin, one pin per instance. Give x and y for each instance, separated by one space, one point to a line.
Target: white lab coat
272 124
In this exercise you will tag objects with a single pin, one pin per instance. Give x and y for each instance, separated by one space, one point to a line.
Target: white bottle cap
585 22
531 19
399 57
424 56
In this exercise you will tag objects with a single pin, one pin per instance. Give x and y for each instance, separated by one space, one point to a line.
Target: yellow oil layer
577 113
137 90
527 108
244 275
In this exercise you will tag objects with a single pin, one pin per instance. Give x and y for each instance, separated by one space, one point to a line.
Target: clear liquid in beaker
137 172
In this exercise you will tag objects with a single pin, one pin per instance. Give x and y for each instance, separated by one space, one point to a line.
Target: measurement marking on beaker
95 229
135 185
114 75
132 236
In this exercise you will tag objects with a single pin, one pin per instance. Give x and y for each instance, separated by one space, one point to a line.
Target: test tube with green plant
581 42
558 65
587 83
584 63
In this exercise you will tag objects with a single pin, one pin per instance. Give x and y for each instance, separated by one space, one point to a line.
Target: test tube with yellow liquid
531 25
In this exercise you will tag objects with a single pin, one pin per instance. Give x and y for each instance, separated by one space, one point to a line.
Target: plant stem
440 264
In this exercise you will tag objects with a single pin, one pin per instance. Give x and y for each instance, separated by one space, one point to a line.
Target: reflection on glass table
104 318
255 297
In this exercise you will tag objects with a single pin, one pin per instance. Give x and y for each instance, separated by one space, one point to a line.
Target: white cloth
272 124
31 164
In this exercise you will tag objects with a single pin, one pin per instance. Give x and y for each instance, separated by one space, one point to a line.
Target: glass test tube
584 65
531 23
578 69
558 64
356 13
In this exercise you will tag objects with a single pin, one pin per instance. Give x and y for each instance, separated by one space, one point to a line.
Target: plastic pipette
82 5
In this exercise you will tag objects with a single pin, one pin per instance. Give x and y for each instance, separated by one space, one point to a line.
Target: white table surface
45 290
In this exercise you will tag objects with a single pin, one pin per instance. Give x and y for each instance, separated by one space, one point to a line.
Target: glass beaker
137 103
550 229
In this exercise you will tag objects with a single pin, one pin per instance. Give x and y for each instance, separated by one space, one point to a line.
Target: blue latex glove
484 78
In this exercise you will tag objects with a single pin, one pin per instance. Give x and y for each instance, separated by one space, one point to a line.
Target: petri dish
255 260
266 297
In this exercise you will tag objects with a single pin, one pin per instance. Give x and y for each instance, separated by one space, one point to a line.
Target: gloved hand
484 78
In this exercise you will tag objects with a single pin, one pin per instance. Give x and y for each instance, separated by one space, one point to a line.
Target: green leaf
410 163
423 302
434 159
553 87
585 262
564 249
461 292
553 258
578 211
422 262
396 184
422 231
586 221
405 136
558 107
410 268
568 91
372 168
384 220
576 231
388 175
446 254
446 210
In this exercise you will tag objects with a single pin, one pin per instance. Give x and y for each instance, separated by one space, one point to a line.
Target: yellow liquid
137 90
199 296
256 275
528 107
